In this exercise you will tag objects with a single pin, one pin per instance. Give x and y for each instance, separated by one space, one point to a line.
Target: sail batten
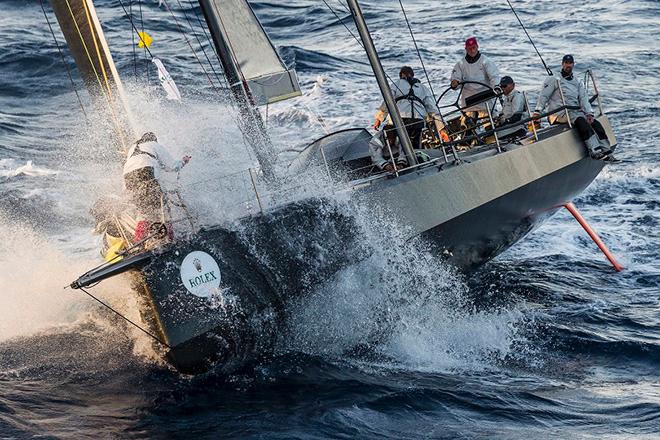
260 66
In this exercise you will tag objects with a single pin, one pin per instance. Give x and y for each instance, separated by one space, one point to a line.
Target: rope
529 38
91 63
96 47
66 66
156 338
419 55
82 40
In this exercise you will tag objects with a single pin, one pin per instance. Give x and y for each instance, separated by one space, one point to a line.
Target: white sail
261 67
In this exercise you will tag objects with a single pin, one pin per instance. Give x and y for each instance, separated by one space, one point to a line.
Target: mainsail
259 66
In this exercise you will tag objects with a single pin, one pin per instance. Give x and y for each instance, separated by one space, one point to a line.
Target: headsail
84 36
267 78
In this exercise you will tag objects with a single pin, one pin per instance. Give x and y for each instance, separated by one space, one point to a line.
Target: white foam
10 168
404 304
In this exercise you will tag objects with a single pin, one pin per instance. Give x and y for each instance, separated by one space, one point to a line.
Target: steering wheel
458 97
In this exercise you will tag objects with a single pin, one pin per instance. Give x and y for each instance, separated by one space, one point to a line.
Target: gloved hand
186 159
377 124
444 135
497 90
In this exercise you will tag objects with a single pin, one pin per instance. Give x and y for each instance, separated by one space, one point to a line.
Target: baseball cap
472 41
568 59
506 80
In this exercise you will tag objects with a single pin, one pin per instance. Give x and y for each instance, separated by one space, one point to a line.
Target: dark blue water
546 341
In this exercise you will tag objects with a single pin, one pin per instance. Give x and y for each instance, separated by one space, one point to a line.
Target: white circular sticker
200 274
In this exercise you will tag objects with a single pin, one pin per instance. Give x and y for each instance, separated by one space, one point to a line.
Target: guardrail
250 199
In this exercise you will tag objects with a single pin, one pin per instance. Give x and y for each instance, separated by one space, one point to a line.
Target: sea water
545 341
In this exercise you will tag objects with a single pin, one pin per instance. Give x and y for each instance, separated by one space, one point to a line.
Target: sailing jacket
513 110
416 100
150 154
380 153
574 94
482 70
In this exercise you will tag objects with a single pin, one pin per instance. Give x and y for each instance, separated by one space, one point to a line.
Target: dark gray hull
260 269
471 212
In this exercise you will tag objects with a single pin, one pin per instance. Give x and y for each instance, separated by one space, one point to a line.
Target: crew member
513 110
144 161
474 66
414 101
384 155
590 130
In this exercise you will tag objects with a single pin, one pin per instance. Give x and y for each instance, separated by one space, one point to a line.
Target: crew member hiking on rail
144 161
414 101
582 115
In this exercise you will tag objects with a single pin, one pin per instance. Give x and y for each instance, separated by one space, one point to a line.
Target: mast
84 36
252 125
377 68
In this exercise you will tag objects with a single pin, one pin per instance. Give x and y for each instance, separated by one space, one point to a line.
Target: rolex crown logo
198 265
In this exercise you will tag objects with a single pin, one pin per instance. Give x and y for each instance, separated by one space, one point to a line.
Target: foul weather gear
513 109
413 99
575 95
480 69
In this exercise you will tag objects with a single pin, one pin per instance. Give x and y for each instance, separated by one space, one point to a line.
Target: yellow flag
145 39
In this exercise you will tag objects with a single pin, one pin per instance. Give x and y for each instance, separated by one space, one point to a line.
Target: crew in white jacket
414 101
475 66
513 110
582 117
144 162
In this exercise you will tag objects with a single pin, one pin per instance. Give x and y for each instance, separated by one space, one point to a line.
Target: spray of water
400 303
403 306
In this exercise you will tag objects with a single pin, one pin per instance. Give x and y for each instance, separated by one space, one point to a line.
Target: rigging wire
66 66
419 54
190 45
212 45
201 46
146 49
147 332
357 39
121 3
530 38
130 11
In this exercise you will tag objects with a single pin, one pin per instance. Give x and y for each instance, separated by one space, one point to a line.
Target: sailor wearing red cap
475 66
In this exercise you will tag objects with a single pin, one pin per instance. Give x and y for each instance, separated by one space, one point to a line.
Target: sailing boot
593 146
605 146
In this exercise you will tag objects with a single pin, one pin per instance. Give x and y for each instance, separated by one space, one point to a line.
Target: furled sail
235 27
84 36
